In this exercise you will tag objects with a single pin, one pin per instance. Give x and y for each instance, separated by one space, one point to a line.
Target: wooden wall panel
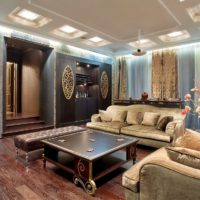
32 62
47 88
2 85
65 109
104 103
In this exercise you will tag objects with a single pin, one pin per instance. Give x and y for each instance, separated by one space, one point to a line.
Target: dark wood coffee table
89 155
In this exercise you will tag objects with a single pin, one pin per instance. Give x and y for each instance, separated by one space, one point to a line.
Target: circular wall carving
104 84
68 82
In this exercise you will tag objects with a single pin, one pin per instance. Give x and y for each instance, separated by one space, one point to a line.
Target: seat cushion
149 132
113 127
130 178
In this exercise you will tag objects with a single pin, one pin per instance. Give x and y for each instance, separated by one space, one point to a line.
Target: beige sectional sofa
141 121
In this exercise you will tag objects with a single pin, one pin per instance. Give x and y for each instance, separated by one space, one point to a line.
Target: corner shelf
82 79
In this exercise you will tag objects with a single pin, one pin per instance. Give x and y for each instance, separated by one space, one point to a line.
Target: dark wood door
65 108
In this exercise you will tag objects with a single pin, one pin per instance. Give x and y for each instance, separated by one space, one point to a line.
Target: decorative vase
144 96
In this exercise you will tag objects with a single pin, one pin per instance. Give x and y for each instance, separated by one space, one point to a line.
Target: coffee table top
90 145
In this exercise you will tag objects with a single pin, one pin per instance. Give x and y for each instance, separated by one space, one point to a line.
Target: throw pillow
105 116
184 156
150 118
163 121
119 116
191 140
133 117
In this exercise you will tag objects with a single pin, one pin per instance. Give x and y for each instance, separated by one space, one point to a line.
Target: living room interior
100 100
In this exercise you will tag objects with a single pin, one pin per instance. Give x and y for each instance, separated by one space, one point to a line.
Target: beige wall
31 67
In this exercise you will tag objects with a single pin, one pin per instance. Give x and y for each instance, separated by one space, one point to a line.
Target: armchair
160 177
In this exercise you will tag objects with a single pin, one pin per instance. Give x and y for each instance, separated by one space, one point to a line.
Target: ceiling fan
139 51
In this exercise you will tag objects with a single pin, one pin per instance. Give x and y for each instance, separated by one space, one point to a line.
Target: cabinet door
65 107
105 83
81 109
92 106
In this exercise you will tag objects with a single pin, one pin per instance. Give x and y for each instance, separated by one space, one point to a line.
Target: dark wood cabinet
85 107
86 99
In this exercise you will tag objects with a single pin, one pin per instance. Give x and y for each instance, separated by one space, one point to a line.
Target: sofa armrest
95 118
175 129
167 179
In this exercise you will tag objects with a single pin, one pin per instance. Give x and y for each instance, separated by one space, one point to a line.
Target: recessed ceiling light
194 13
28 18
181 0
175 34
68 29
95 39
27 14
143 43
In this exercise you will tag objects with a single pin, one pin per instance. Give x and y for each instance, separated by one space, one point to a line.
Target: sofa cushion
149 132
134 117
113 127
130 178
119 116
150 118
163 121
105 116
185 156
191 140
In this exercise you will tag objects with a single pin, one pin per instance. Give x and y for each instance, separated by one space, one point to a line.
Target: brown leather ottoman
31 141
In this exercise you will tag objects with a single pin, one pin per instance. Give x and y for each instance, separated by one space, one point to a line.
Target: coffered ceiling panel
114 21
119 20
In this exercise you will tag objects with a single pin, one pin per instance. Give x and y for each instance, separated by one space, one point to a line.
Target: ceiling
116 21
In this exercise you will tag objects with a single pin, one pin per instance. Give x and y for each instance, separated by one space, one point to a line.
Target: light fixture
95 39
194 13
68 32
27 14
175 34
144 43
139 51
28 18
68 29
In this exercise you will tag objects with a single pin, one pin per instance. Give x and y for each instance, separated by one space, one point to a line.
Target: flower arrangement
191 105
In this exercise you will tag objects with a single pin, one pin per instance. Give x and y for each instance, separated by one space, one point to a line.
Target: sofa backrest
175 112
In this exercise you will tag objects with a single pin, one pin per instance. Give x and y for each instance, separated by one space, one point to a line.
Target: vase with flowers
192 108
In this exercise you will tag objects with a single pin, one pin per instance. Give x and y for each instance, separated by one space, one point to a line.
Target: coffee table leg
131 152
44 160
84 176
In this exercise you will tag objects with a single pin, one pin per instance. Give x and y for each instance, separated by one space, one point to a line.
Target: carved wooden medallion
68 82
104 84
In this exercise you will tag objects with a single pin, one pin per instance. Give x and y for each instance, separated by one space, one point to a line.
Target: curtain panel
121 82
164 74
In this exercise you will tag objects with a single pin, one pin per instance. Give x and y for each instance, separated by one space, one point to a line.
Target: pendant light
139 51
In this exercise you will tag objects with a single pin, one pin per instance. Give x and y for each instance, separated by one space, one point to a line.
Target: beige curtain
157 72
121 82
164 74
170 74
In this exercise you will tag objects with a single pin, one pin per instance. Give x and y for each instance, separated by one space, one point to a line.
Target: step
22 119
23 122
26 129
